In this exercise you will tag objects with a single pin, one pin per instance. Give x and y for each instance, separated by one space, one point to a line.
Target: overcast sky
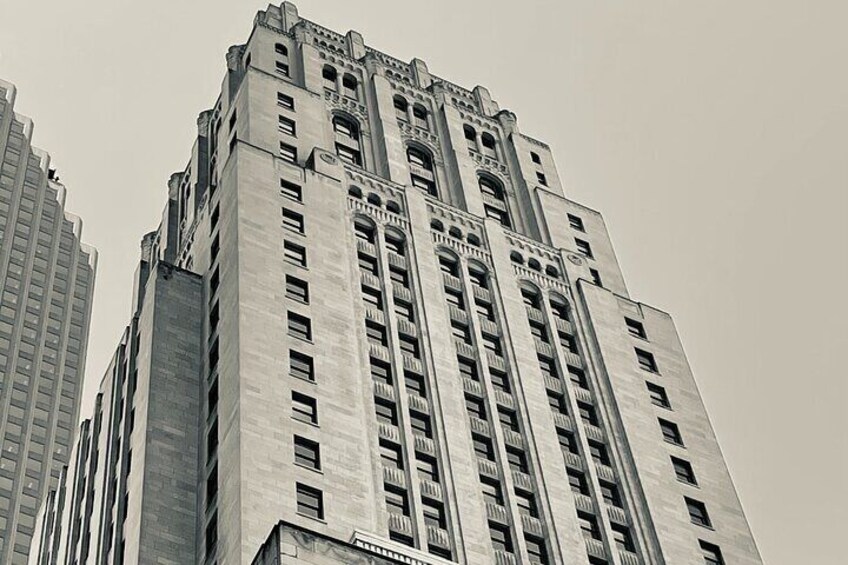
712 135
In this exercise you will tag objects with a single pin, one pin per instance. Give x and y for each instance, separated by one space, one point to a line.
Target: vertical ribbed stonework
46 284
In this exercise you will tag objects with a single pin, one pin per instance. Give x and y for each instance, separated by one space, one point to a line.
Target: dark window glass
310 501
291 191
307 453
301 366
646 360
299 326
576 222
636 328
304 408
670 431
297 289
659 397
698 513
683 470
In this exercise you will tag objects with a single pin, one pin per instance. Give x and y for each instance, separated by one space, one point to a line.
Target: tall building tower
372 328
46 285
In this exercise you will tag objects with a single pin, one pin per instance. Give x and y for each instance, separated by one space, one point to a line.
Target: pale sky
713 136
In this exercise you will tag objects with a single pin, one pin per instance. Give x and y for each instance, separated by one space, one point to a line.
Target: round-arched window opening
516 257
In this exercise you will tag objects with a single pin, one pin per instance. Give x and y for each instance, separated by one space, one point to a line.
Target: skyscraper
372 328
46 285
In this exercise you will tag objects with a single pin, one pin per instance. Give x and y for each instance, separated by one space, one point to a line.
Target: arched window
559 307
329 74
421 170
552 271
478 274
401 108
419 114
470 137
349 86
488 142
282 62
396 242
365 229
393 207
473 240
448 263
494 200
347 140
534 264
437 225
355 191
531 296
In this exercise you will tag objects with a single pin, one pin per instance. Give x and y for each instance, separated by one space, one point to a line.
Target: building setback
46 285
371 328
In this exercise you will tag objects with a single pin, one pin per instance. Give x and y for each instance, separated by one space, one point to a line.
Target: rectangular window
348 155
461 332
291 190
635 328
500 380
288 152
475 407
599 453
376 333
285 101
485 311
498 215
698 512
568 342
576 222
712 553
538 331
556 400
304 408
367 263
567 441
508 419
286 126
381 372
415 384
596 277
404 310
372 297
492 492
670 431
386 411
391 455
548 367
420 424
434 513
540 176
427 467
684 472
584 247
293 221
408 345
578 377
587 413
621 536
299 326
577 482
517 459
610 493
468 369
399 276
307 453
454 298
397 501
294 253
310 501
483 447
536 550
297 289
646 360
301 366
501 540
526 503
282 68
659 397
492 343
588 525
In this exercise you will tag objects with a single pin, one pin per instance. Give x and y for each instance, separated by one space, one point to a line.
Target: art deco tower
372 328
46 284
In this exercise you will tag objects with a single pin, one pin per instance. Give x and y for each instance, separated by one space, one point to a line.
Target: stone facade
46 286
405 345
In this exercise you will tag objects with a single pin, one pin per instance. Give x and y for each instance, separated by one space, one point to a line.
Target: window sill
308 468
